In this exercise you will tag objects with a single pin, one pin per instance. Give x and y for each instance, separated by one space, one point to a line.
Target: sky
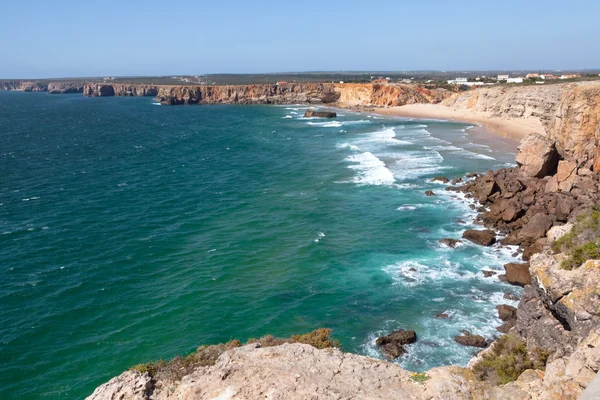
50 39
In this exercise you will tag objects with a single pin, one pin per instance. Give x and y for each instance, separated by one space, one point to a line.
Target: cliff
362 94
388 95
569 112
25 86
311 93
64 87
118 89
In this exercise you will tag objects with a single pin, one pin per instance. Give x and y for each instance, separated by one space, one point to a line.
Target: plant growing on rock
583 242
175 369
419 377
507 359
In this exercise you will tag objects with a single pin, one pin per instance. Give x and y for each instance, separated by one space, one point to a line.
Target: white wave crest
371 170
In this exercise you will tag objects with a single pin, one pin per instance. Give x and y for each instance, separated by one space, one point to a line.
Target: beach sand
515 129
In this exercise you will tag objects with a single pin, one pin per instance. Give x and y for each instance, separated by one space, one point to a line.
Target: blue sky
131 37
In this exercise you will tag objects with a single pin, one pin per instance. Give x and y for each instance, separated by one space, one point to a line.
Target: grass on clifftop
175 369
583 242
507 360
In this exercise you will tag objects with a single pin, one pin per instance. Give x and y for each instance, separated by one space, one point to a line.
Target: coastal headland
544 205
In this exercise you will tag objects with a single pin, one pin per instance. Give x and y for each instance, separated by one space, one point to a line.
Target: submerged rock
484 238
429 193
488 274
442 316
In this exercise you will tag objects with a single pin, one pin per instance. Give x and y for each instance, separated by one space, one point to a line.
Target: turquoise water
131 232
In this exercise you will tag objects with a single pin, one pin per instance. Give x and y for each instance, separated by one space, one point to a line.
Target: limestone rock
536 227
537 156
506 312
482 237
565 169
556 232
130 385
518 274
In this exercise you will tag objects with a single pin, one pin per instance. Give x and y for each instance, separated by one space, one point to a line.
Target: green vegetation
175 369
508 358
419 377
583 242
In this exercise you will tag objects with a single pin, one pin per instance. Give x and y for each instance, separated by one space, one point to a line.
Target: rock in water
429 193
312 113
392 345
450 242
467 339
537 156
442 179
518 274
484 238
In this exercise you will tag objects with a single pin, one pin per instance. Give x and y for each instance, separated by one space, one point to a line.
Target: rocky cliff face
304 93
570 112
25 86
64 87
308 93
118 89
388 95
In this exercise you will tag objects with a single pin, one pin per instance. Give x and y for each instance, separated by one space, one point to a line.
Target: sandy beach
515 129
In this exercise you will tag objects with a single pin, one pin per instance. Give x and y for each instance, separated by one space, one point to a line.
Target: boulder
506 312
312 113
536 227
511 210
507 326
556 232
429 193
484 238
518 274
534 249
442 316
392 345
565 169
467 339
450 242
537 156
489 274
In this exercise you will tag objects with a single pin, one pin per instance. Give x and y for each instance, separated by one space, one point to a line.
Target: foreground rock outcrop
300 371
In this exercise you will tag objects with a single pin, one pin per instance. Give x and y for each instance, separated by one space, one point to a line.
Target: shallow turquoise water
131 232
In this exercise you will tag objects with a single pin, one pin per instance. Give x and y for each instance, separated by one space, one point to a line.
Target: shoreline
513 129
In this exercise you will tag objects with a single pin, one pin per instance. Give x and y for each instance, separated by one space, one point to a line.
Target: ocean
131 232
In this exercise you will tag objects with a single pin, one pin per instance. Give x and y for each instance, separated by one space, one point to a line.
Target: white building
464 81
515 80
503 77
